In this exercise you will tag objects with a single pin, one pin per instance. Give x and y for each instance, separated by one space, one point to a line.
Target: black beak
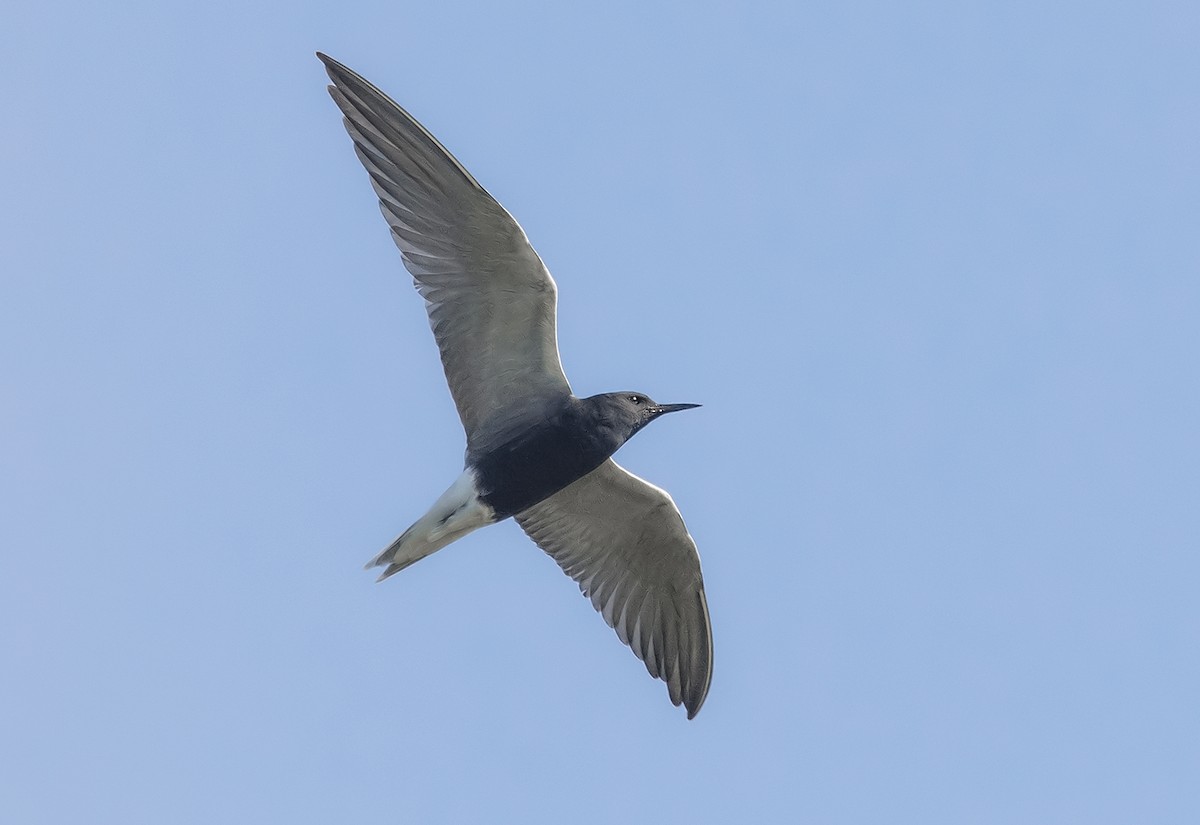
663 409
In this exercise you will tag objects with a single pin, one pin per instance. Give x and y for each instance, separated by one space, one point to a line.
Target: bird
535 452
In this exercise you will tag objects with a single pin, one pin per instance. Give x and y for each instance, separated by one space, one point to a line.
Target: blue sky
932 269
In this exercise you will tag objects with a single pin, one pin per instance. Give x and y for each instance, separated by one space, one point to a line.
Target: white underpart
457 512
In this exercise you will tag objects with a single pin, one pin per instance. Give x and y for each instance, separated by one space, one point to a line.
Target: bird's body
535 451
569 438
533 459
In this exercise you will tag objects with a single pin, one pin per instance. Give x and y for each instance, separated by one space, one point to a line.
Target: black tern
535 451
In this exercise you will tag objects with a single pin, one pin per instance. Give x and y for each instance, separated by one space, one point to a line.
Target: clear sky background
933 270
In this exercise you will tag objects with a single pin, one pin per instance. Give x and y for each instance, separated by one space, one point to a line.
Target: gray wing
622 539
490 299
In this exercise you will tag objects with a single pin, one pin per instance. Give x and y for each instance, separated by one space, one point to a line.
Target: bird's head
627 412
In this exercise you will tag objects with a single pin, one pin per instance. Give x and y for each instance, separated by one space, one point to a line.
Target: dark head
624 413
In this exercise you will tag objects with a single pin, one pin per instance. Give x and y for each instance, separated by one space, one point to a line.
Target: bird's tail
459 511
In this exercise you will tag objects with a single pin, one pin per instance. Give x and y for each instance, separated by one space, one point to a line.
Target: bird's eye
636 399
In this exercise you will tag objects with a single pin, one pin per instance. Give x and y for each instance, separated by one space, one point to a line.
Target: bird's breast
534 464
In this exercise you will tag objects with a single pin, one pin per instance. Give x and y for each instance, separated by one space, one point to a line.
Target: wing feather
491 301
623 541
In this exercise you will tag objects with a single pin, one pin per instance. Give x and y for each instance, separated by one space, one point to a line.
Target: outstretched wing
491 301
622 539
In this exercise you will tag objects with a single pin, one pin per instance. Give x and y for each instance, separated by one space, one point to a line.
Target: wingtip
333 68
698 691
693 700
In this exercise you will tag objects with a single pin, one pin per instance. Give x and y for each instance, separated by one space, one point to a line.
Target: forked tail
459 511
